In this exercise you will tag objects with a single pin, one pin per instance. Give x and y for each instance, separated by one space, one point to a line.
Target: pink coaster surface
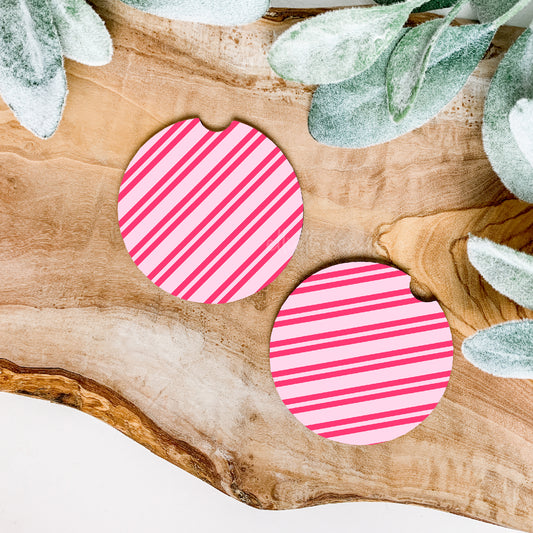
208 216
356 357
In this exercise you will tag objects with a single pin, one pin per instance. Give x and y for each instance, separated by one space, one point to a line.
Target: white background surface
62 471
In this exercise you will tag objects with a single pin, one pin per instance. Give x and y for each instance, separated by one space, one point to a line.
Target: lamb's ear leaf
428 6
512 82
409 61
497 11
505 350
217 12
508 271
339 44
521 122
82 32
355 113
32 78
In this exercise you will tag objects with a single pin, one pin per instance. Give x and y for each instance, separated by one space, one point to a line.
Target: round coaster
209 216
356 357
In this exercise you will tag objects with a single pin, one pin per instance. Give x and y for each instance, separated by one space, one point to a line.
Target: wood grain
80 325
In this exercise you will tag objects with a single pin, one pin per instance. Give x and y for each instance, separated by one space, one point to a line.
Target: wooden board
80 325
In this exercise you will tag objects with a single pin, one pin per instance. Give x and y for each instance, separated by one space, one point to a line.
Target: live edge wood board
80 325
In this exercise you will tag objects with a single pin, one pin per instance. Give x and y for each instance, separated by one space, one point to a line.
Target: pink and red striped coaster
356 357
209 216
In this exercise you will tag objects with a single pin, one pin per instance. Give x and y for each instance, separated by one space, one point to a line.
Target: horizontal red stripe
366 388
347 301
358 329
373 427
349 281
345 312
362 359
373 416
358 340
366 368
347 272
369 397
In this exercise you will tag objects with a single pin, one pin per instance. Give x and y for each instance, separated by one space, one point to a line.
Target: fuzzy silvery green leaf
512 82
32 78
339 44
508 271
505 350
217 12
521 123
409 61
82 32
497 11
355 113
428 6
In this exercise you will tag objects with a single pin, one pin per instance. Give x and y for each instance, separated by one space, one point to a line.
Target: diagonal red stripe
373 416
140 209
183 202
182 134
357 340
153 149
369 397
362 359
275 275
254 256
196 203
230 238
226 206
176 178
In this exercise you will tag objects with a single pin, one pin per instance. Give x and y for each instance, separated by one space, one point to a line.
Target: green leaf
512 82
339 44
505 350
506 270
82 32
409 61
217 12
497 11
32 78
355 113
521 122
428 6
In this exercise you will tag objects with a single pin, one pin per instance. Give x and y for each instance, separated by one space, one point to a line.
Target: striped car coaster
356 357
209 216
